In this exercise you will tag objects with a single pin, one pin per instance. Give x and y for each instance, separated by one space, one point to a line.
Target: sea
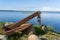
51 19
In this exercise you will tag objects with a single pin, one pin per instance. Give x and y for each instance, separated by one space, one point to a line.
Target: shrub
15 36
38 30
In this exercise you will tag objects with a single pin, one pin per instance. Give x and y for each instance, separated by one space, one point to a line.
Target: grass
38 30
17 36
1 28
49 29
50 34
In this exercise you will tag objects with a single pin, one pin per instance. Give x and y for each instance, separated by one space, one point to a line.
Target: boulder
33 37
8 23
43 28
3 37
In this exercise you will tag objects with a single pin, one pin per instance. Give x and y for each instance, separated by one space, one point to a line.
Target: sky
30 5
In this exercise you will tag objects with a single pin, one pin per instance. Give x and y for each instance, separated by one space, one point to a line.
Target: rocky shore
40 35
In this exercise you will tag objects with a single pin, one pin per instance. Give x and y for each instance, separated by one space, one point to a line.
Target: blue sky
32 5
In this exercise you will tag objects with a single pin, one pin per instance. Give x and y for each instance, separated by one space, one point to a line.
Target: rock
23 38
43 28
8 23
43 37
3 37
33 37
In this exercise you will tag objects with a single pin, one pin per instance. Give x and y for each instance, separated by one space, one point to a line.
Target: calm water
51 19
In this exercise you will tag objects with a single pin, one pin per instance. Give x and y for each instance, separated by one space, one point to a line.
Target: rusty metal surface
17 26
20 28
25 20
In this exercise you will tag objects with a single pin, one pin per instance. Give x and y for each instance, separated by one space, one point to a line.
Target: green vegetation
0 28
15 36
49 34
51 30
38 30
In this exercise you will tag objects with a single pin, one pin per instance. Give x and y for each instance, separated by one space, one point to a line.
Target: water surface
51 19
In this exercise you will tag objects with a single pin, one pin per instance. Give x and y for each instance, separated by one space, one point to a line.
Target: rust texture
17 28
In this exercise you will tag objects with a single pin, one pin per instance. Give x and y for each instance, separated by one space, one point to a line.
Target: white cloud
47 8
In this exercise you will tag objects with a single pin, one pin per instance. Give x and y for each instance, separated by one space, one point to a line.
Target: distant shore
28 11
